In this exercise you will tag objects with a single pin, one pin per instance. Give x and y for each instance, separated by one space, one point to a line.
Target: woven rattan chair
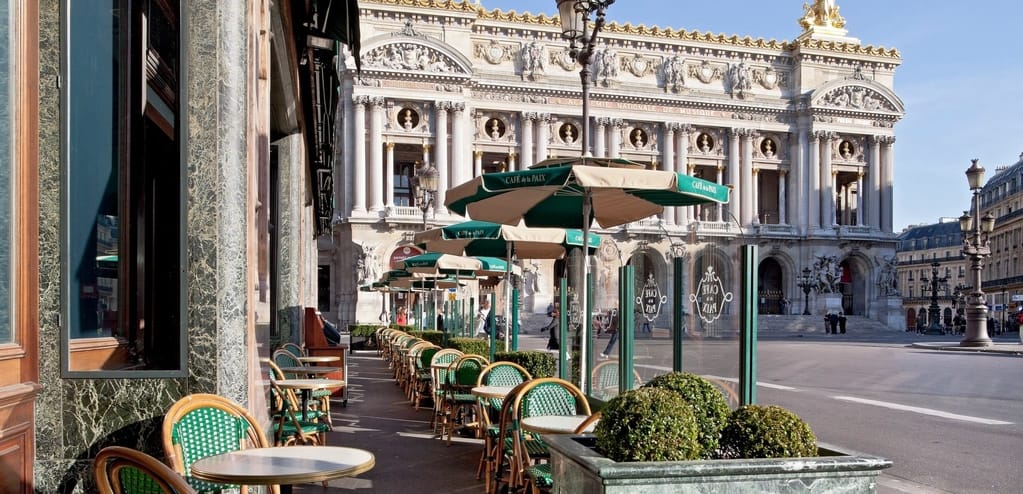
439 364
284 358
285 408
120 470
293 348
605 380
201 425
459 404
424 377
496 374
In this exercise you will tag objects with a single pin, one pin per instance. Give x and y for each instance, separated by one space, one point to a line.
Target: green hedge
435 337
474 346
363 330
538 363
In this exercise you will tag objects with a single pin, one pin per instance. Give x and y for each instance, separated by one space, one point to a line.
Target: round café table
319 359
310 370
554 424
492 391
284 466
307 386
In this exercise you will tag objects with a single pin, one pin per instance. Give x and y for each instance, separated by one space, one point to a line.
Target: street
950 421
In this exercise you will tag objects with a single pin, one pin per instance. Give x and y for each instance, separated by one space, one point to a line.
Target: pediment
415 53
857 95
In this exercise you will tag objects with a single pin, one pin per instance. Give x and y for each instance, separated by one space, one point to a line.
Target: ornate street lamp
425 183
933 311
575 27
975 247
806 283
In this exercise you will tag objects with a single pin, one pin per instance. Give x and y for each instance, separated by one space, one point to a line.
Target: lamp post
975 247
933 311
425 183
806 283
575 27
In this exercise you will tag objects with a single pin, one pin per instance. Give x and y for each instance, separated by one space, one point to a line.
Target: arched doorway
770 277
853 286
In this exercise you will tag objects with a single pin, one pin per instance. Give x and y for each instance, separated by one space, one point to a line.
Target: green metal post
589 336
748 331
627 325
563 330
514 327
493 325
678 315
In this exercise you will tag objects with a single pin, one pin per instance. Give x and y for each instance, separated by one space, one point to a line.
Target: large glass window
124 194
6 123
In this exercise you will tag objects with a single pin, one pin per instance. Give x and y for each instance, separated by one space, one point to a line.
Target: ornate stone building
802 130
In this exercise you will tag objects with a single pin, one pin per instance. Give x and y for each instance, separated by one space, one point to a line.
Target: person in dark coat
841 322
833 322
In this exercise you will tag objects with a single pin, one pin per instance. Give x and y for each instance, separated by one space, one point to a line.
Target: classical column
526 138
599 139
755 200
459 151
827 183
814 183
511 160
747 182
477 163
721 207
359 155
681 144
734 178
859 198
782 217
668 162
873 199
441 155
348 160
389 176
376 154
797 180
616 138
543 136
887 183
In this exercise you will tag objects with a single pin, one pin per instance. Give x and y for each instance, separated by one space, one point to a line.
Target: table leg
305 403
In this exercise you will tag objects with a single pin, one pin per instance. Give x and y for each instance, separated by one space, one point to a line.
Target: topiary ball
756 431
647 424
704 399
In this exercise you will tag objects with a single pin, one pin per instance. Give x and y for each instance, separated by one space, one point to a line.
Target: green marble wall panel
290 158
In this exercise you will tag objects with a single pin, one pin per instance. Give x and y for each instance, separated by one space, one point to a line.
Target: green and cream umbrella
574 193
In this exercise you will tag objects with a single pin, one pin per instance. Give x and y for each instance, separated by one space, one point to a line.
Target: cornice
450 5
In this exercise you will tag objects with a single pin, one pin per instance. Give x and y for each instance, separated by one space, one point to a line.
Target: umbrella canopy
485 238
553 193
437 263
575 192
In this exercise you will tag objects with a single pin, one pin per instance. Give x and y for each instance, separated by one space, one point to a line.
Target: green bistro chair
285 408
293 348
496 374
423 376
201 425
284 358
459 402
120 470
439 365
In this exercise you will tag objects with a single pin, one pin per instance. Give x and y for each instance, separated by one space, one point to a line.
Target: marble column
526 138
389 176
782 196
734 177
798 173
359 154
459 151
747 183
668 162
511 161
755 200
600 137
814 183
348 159
441 155
859 198
617 125
376 151
543 136
827 183
477 163
887 183
685 215
873 197
721 207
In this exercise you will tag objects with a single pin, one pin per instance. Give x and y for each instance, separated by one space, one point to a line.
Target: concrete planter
577 467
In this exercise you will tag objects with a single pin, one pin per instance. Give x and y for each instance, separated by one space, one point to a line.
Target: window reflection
5 174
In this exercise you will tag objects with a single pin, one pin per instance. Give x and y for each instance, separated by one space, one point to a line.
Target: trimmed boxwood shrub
757 431
363 330
706 402
435 337
647 424
475 346
538 363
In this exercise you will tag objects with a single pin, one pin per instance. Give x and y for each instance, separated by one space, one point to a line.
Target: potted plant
652 439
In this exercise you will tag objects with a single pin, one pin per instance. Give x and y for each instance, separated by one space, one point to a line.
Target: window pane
5 173
93 61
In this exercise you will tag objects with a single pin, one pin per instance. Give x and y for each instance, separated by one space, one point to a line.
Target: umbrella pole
507 295
584 358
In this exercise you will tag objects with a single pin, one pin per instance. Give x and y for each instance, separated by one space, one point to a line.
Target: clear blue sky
961 78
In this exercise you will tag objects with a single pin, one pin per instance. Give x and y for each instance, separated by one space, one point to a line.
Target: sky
961 78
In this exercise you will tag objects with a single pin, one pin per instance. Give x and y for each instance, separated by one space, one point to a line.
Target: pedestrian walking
611 329
833 322
841 322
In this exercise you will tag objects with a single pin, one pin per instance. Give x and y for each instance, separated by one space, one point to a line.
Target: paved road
950 421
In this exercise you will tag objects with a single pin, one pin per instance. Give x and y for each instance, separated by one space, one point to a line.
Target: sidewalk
409 457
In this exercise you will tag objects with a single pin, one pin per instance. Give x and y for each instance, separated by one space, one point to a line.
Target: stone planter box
577 467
